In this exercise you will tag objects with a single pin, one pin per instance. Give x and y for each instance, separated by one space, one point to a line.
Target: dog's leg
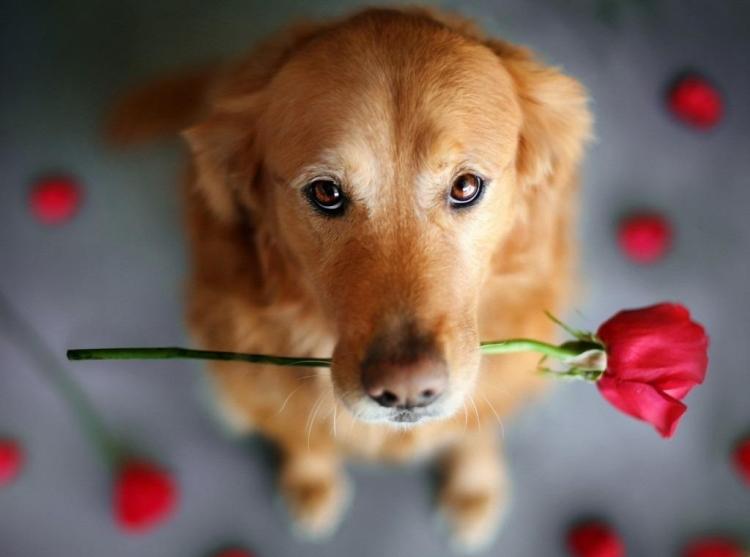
314 485
473 491
293 412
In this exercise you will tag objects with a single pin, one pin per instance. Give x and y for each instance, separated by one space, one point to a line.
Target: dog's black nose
405 384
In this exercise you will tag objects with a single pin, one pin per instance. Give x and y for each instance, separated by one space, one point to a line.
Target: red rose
595 539
645 238
695 101
655 356
713 547
741 459
55 199
144 495
11 461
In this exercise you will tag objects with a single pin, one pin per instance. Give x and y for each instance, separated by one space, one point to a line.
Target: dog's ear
223 161
556 120
226 159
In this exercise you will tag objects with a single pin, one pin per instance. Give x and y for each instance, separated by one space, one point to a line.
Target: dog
390 188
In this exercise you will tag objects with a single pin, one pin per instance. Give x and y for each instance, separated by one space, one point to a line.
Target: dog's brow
277 178
304 176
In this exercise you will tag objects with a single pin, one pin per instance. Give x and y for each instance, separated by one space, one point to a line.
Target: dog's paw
473 517
316 505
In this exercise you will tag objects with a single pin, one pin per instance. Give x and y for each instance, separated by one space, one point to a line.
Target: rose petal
659 345
55 199
144 495
695 101
645 238
643 402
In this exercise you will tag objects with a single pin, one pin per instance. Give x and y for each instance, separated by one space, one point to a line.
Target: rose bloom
655 356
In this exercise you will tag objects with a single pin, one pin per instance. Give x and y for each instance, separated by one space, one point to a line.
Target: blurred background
113 275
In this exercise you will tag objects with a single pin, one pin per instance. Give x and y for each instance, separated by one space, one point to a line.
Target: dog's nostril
411 375
387 399
426 397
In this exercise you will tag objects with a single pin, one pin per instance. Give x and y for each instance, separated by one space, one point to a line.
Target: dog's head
385 159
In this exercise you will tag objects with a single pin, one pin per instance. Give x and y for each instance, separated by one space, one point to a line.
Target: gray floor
114 276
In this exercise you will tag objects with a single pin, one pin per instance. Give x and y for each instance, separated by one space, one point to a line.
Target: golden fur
393 103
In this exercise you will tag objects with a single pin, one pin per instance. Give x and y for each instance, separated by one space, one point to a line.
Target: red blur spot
645 238
11 461
695 101
54 200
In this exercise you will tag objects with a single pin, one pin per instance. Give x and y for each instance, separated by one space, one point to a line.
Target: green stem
528 345
71 392
174 352
574 374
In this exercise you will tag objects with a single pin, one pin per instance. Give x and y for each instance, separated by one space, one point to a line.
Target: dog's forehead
379 106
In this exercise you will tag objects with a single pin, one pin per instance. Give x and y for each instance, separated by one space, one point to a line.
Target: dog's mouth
400 417
405 417
364 409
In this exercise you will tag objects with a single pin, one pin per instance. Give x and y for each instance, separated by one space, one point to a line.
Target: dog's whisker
352 414
356 417
311 420
335 413
466 417
289 396
497 416
311 417
476 412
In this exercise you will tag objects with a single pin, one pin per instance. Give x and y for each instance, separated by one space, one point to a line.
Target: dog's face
393 181
389 176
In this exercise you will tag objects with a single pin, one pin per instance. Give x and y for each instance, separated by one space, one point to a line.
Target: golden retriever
389 188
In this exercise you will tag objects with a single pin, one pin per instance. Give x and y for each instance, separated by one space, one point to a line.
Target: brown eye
326 195
465 189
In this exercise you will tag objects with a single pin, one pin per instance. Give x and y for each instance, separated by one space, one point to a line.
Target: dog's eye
465 190
326 195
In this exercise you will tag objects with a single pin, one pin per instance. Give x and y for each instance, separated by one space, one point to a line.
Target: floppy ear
555 127
223 162
556 121
223 144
